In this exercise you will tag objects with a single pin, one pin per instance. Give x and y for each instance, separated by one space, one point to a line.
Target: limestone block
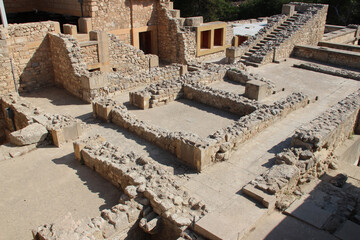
33 133
153 61
194 21
175 13
183 69
93 35
288 9
103 112
140 101
256 89
64 134
85 25
70 29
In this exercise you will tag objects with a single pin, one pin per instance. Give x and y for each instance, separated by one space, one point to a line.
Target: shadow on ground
93 181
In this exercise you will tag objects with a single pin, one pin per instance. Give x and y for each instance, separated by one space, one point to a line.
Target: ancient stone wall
20 115
90 54
234 53
329 55
234 103
28 46
310 155
69 68
310 34
171 39
127 59
6 77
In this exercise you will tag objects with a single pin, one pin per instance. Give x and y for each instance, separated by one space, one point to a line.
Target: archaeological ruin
121 119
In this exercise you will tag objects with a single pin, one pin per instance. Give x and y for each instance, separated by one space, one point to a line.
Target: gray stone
33 133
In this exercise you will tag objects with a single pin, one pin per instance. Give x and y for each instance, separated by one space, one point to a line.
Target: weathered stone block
256 89
183 69
288 9
194 21
153 61
33 133
85 25
70 29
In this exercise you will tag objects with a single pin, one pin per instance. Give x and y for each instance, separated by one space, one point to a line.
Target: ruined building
217 130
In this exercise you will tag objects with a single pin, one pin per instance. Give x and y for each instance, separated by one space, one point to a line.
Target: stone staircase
246 58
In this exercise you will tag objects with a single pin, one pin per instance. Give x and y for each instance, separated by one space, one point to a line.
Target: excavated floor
35 187
186 115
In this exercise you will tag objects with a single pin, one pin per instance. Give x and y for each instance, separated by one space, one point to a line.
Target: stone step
256 47
249 63
263 41
271 35
280 28
175 13
232 222
248 54
265 199
253 50
244 57
268 38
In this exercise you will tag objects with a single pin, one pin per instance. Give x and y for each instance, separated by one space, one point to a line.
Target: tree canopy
341 12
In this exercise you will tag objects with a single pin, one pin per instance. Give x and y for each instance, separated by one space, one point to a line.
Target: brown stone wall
110 15
69 68
29 49
310 34
328 55
126 58
144 13
90 54
6 77
170 39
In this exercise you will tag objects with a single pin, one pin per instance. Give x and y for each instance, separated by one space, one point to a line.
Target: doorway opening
145 42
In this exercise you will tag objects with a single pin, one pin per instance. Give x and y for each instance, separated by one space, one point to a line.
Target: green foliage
341 12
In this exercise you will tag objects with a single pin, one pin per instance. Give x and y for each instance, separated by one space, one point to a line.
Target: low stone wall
328 55
19 114
329 70
310 155
192 150
170 90
347 47
145 182
234 103
346 35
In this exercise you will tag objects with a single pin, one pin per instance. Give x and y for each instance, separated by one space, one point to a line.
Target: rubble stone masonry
29 49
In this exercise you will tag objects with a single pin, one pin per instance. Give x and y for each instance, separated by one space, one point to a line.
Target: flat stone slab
308 212
232 222
348 231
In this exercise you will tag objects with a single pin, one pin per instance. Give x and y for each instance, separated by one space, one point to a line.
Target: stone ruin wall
70 71
126 58
191 149
90 54
28 46
153 205
310 34
171 40
6 78
30 125
235 53
310 154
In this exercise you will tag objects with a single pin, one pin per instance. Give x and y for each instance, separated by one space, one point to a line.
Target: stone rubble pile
28 125
115 223
142 180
